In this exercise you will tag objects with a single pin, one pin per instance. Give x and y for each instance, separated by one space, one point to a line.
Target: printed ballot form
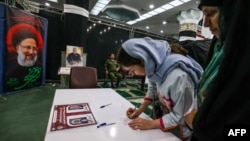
72 116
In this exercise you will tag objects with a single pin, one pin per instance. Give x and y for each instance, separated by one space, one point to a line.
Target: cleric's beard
25 63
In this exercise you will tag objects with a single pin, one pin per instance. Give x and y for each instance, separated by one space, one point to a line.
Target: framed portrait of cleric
74 56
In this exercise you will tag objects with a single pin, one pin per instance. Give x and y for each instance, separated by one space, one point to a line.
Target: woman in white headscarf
174 76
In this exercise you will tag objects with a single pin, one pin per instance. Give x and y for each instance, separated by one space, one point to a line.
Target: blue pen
105 105
105 124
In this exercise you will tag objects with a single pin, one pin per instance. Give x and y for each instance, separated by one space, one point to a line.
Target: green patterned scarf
210 72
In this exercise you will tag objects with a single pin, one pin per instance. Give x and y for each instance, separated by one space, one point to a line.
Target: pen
105 105
105 124
137 104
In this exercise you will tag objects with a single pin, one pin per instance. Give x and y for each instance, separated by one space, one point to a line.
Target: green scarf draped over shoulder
210 72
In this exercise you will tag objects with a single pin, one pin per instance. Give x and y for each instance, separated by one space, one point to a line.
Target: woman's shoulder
178 74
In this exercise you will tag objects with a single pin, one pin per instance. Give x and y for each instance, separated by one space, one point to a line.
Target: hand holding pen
133 112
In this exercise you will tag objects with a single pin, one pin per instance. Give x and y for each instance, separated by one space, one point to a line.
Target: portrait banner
74 56
26 37
2 44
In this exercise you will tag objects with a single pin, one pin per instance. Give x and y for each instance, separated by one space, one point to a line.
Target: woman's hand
144 124
133 113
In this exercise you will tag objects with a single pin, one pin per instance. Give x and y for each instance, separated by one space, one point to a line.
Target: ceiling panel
155 23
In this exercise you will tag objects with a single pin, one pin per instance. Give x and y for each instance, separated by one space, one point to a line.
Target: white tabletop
115 112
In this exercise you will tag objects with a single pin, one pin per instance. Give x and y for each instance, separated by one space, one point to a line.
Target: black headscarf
209 3
228 101
217 3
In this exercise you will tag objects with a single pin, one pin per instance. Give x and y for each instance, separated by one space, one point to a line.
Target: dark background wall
98 46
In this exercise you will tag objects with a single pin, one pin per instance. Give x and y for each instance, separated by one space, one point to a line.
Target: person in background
112 69
227 101
23 70
215 54
174 76
74 58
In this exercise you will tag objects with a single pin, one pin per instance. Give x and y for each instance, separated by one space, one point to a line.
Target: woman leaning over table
175 76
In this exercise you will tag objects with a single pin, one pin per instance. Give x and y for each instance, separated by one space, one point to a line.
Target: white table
112 113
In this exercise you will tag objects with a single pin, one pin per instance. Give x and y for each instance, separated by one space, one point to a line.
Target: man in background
112 70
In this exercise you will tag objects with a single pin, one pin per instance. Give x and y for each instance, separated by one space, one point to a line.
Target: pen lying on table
105 105
105 124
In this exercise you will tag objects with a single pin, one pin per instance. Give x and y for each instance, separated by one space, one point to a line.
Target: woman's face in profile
134 70
211 19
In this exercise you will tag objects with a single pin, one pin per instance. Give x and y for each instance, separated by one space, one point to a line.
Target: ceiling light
176 3
152 13
158 10
164 22
120 12
185 0
151 6
147 27
131 22
53 1
47 4
99 6
167 7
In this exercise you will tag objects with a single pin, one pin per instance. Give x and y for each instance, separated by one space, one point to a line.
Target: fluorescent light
99 6
185 0
142 18
131 22
167 7
146 15
104 1
176 3
158 10
152 13
53 1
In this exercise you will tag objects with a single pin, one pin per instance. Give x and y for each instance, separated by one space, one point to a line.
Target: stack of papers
64 70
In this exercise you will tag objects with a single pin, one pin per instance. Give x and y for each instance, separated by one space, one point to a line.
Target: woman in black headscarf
225 104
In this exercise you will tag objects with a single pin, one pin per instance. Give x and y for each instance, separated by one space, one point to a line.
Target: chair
83 77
